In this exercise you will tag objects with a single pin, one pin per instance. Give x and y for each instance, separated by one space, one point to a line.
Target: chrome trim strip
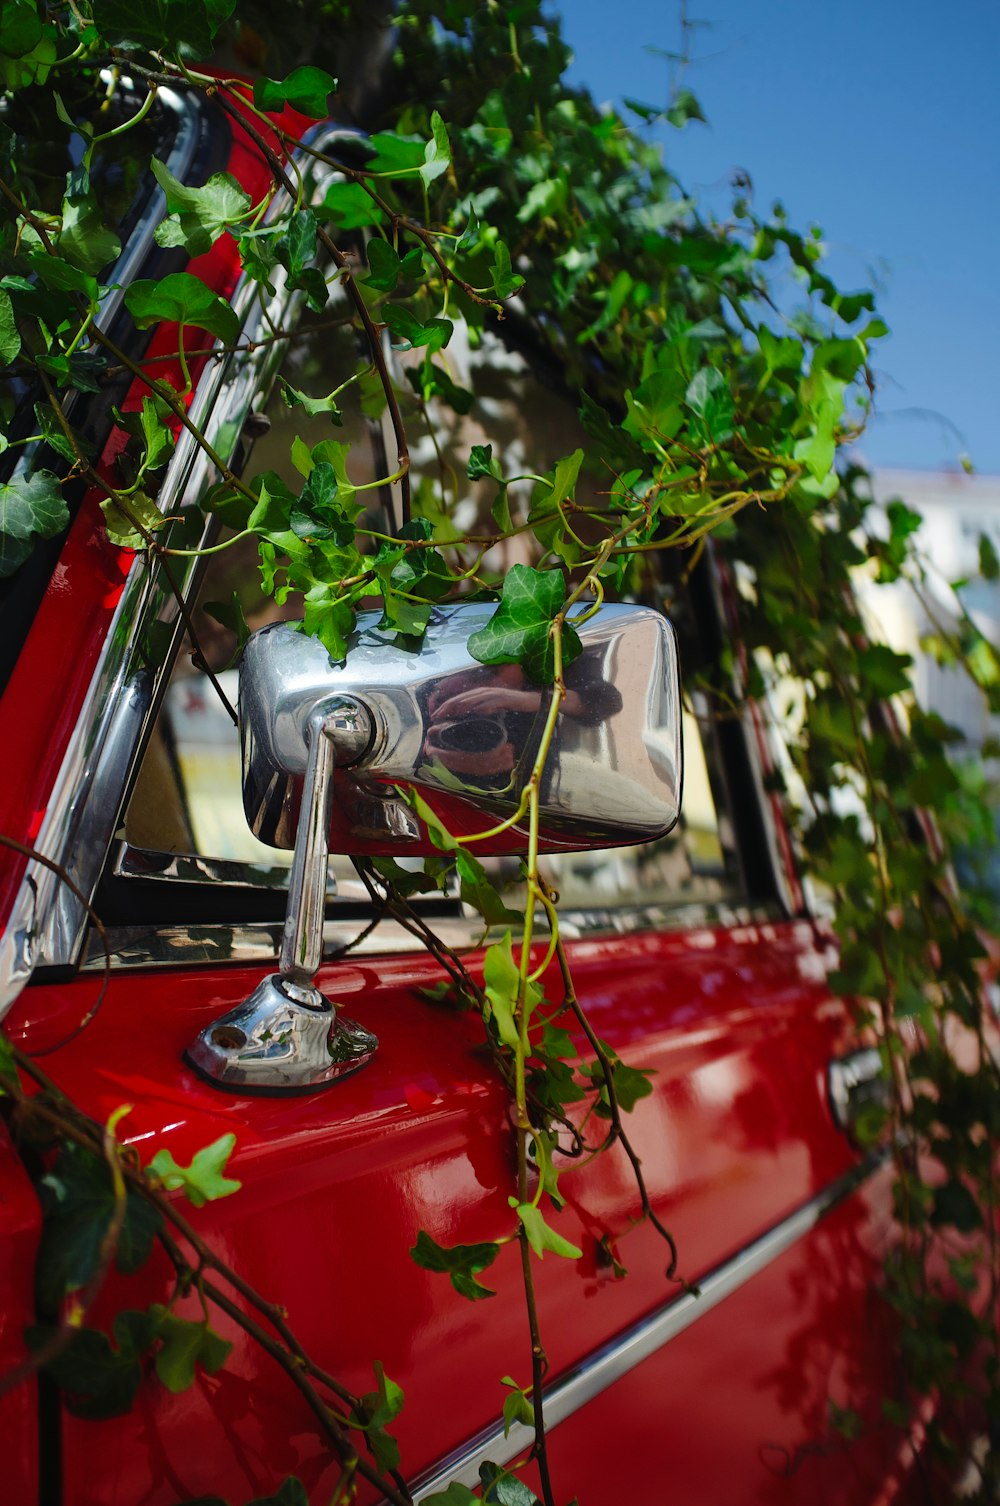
47 924
167 946
605 1366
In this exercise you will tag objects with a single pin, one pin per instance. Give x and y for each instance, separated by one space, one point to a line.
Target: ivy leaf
519 630
230 615
328 617
516 1407
163 25
314 406
350 207
290 1493
955 1206
306 89
84 239
181 299
481 463
183 1344
10 340
505 280
203 1181
541 1236
684 108
198 215
711 401
455 1495
78 1199
502 978
478 892
501 1488
437 153
380 1408
461 1262
29 505
412 332
121 520
989 563
98 1379
386 267
82 370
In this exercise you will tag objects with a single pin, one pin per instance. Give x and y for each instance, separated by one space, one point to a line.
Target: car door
759 1378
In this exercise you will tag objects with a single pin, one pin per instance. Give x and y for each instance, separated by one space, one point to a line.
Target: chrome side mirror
391 719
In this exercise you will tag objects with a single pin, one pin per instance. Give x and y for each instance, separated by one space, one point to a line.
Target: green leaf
412 333
712 402
29 505
350 207
989 563
955 1207
541 1236
121 520
505 280
164 25
519 630
516 1407
183 1344
203 1181
10 340
198 215
84 239
20 29
502 978
180 298
314 406
306 89
478 892
461 1262
290 1493
885 672
437 153
501 1488
684 108
455 1495
229 614
481 463
78 1200
97 1379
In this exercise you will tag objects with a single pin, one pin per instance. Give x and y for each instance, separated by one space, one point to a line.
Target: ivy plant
489 195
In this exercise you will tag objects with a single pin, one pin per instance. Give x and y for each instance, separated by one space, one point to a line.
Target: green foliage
706 410
203 1181
462 1263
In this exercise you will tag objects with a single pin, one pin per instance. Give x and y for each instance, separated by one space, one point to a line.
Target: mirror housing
332 750
465 735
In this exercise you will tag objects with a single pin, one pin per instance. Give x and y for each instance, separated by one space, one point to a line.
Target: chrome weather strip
605 1366
151 946
47 923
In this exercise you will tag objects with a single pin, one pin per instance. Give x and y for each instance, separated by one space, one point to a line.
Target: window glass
188 798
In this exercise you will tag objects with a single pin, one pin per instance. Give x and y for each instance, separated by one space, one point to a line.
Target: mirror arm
287 1036
337 735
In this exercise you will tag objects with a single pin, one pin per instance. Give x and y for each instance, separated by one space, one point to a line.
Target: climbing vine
491 198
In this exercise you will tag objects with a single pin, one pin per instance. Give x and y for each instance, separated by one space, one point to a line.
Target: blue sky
878 120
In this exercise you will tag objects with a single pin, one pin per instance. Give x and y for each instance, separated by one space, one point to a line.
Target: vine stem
288 1353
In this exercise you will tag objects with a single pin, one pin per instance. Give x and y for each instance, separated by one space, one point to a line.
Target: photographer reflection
485 725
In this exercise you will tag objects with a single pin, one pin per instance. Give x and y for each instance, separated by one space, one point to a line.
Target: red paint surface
738 1026
20 1223
42 701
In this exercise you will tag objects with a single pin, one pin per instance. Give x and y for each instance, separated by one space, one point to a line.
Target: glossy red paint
737 1024
20 1226
45 695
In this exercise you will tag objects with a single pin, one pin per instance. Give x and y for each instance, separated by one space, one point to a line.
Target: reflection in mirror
466 736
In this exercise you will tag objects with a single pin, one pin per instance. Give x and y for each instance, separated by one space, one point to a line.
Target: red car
760 1379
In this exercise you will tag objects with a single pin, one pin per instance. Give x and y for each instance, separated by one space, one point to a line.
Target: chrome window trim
47 923
600 1369
151 946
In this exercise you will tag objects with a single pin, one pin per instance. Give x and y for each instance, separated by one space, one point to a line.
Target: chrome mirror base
285 1038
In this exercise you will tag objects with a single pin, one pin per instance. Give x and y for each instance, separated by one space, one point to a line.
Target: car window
187 799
